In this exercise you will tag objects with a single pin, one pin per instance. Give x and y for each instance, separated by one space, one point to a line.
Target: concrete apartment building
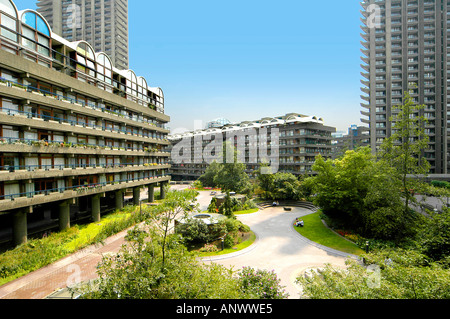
406 47
76 133
357 136
102 23
301 139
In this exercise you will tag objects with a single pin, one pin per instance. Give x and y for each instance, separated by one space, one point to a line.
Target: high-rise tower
405 47
102 23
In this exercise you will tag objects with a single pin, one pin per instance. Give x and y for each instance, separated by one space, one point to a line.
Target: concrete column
136 196
95 200
20 227
163 191
119 199
64 215
151 193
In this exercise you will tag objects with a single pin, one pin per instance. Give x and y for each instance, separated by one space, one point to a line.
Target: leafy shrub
403 274
441 184
261 284
229 240
194 231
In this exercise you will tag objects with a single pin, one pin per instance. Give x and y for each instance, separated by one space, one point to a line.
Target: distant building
301 139
357 137
217 123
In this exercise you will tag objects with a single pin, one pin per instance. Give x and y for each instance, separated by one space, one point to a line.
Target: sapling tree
177 204
404 149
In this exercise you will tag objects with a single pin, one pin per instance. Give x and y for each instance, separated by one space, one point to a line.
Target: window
86 59
104 70
143 90
9 27
131 84
36 33
9 106
8 7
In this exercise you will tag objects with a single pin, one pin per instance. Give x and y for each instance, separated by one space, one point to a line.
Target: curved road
280 248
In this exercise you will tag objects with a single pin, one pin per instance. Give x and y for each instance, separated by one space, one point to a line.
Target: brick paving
43 282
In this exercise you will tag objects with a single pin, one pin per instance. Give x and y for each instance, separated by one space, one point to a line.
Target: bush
209 248
194 231
403 274
261 284
440 184
229 240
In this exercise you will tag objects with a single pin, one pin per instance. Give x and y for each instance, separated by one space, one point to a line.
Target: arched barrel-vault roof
107 58
9 7
89 51
36 21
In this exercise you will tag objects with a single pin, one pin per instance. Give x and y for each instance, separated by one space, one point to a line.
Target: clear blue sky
248 59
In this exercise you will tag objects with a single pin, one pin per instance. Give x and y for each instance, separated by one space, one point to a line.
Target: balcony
18 145
48 123
14 201
43 97
24 172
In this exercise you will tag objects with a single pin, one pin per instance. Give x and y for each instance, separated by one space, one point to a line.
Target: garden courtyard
278 247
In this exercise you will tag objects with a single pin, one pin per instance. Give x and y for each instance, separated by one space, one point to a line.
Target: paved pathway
78 267
278 247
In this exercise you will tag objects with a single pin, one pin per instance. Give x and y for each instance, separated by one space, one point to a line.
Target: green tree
404 149
228 176
286 186
342 184
265 182
177 204
382 210
212 208
362 194
226 208
262 284
136 273
207 179
435 236
233 178
281 186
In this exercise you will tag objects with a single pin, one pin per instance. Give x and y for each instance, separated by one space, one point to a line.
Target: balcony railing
33 115
67 99
79 188
49 143
31 168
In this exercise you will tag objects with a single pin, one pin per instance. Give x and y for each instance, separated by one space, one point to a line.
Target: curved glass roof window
131 84
85 58
142 90
104 68
35 33
8 20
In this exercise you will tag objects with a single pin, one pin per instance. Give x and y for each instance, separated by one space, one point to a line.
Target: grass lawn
316 231
248 211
